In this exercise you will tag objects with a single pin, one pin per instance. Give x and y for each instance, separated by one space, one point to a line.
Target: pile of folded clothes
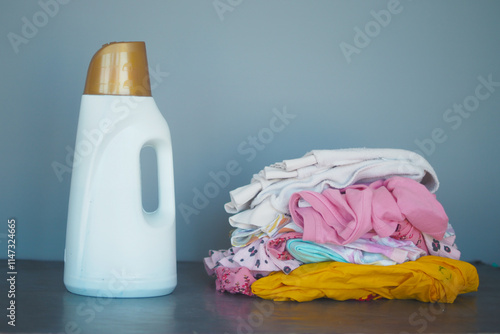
342 224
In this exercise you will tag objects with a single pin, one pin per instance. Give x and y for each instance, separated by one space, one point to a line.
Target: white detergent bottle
114 248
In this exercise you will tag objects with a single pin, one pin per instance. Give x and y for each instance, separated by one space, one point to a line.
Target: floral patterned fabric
261 257
234 280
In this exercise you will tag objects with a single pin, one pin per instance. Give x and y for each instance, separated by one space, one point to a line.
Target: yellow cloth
428 279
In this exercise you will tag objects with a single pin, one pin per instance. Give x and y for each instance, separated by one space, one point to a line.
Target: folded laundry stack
343 224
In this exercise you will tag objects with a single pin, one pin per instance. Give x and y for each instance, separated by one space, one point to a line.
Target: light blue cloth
311 252
375 250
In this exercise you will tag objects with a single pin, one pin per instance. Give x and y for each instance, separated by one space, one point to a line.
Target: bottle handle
165 213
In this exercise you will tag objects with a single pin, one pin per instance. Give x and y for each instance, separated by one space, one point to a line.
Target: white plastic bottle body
113 247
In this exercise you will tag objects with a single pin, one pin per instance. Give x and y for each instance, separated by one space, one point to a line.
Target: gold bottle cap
119 68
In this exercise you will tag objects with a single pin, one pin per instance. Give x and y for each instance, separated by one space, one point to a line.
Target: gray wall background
223 66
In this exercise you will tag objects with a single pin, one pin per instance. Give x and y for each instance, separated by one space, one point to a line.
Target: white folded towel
318 170
331 158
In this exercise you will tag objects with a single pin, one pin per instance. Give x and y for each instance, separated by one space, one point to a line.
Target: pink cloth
234 280
261 257
406 231
445 247
341 216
